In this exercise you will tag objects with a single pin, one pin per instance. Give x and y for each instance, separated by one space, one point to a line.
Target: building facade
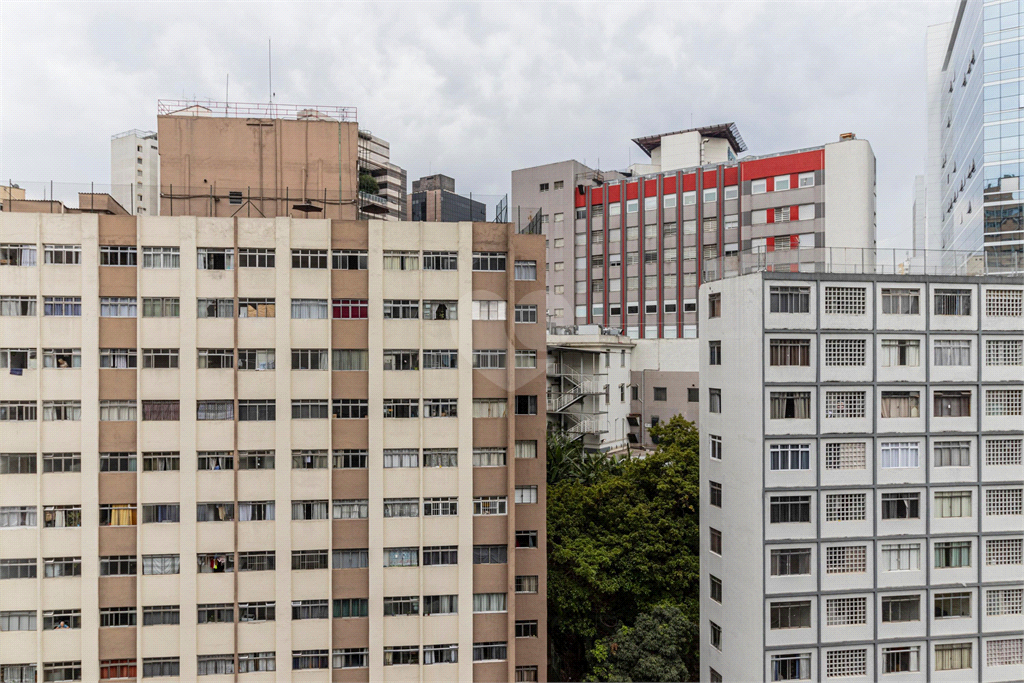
975 145
135 172
861 477
192 485
226 159
632 253
433 198
375 159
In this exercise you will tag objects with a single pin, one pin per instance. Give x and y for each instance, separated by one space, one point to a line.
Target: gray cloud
478 89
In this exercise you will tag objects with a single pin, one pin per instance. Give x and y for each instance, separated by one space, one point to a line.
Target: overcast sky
475 90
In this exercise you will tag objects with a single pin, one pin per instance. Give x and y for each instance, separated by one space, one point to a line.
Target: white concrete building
134 172
861 478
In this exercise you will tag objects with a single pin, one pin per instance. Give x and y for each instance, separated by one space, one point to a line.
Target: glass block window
843 352
1007 651
1000 601
1001 402
844 403
952 453
1004 351
846 611
845 456
1003 452
845 300
846 559
846 663
1002 551
1003 501
1003 302
845 507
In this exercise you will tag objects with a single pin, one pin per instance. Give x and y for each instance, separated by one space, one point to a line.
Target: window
351 509
18 305
309 659
401 407
900 454
714 400
208 258
845 507
845 352
440 260
161 564
61 671
20 411
789 667
351 608
489 310
526 405
265 410
526 270
117 462
948 352
490 554
660 393
117 307
791 561
208 665
440 310
349 259
349 408
62 306
303 560
1003 501
790 405
62 254
950 554
786 509
790 352
488 261
795 614
528 494
489 359
1001 402
309 309
66 410
401 457
901 301
61 462
118 358
952 302
714 353
440 555
160 307
526 358
490 505
18 463
161 257
952 403
401 260
350 559
161 513
55 358
18 621
440 507
160 358
256 510
18 569
901 505
349 309
845 611
845 663
216 308
790 456
309 510
401 507
1004 302
845 300
846 559
113 617
215 460
215 512
1004 652
715 493
900 404
898 557
526 629
526 539
256 258
952 453
952 656
256 308
440 457
790 299
309 459
1004 551
62 516
117 256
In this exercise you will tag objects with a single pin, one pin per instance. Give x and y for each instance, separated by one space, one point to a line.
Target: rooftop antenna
270 73
227 87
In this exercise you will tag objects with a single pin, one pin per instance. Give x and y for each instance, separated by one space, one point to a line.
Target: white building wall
135 172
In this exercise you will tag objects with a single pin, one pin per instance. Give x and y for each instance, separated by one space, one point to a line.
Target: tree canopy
624 543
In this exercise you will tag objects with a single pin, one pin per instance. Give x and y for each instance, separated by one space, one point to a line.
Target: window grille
845 300
845 611
845 352
952 302
1004 352
1003 501
845 456
846 663
1000 601
1004 302
840 404
1003 452
846 559
1003 402
1003 551
1004 652
845 507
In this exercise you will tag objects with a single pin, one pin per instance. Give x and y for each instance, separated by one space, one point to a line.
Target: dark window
901 608
716 493
901 505
791 614
716 588
790 299
693 395
660 393
527 405
715 538
714 353
791 561
714 305
786 509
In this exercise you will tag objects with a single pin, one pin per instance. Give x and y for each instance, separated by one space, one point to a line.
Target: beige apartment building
193 485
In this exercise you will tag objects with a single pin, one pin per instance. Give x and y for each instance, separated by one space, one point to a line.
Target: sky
477 89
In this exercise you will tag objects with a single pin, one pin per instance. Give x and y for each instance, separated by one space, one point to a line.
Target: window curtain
122 515
900 405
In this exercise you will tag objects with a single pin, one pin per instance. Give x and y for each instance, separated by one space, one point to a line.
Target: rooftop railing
259 110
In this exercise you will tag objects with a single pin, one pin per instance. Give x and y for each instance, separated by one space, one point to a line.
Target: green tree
621 541
368 184
655 648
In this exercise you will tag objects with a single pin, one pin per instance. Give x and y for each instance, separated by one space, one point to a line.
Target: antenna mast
270 73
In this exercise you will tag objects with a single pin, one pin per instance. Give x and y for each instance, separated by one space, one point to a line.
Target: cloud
476 90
